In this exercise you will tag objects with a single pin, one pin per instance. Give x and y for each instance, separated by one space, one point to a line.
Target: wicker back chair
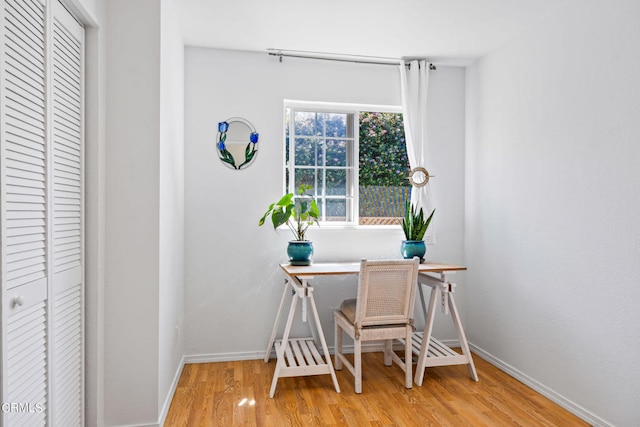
382 311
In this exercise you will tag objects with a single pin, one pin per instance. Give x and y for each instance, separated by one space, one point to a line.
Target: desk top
334 268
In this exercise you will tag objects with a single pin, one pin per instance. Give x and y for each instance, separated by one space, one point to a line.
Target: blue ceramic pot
411 248
300 252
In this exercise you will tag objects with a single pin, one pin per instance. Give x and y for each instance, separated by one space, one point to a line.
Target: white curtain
414 86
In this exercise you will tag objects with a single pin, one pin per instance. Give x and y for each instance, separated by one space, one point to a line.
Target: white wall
171 255
95 70
90 12
132 212
553 201
135 216
232 281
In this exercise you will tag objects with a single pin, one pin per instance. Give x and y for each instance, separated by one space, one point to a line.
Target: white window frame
339 108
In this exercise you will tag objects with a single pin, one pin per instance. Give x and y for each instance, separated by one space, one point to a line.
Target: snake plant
414 224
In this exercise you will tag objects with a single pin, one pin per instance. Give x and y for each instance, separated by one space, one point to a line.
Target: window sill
345 226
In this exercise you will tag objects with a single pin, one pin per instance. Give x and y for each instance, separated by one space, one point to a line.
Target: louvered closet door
67 220
23 192
41 185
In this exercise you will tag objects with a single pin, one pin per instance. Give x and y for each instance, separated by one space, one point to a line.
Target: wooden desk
300 357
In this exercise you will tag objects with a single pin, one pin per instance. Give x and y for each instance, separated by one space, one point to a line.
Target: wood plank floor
237 394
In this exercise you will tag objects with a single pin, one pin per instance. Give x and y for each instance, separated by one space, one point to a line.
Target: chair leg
338 347
408 359
357 362
388 361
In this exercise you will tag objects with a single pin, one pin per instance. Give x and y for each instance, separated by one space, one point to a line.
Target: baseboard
567 404
223 357
368 347
141 425
172 392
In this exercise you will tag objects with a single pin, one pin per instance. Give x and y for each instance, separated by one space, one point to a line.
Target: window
354 158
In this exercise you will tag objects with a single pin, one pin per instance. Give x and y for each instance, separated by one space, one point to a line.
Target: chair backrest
386 292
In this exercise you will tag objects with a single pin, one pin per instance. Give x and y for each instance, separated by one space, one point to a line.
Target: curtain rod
358 59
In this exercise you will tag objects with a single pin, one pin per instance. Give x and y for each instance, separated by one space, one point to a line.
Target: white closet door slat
31 109
26 358
19 141
23 140
67 353
67 240
15 155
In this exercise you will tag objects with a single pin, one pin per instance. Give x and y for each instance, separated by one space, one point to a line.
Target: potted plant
414 226
298 212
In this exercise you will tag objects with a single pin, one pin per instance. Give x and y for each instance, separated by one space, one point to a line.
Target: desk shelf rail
301 357
438 354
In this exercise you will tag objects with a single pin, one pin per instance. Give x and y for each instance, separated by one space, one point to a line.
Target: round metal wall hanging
237 142
419 177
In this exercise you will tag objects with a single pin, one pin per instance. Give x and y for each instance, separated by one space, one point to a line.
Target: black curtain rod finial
432 67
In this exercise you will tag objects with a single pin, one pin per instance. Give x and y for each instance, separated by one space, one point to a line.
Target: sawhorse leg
441 355
320 334
274 331
301 354
464 345
280 351
426 336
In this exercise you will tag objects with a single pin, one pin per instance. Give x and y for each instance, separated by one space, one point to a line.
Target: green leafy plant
297 211
414 224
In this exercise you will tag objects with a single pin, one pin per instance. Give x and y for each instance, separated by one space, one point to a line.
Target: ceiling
445 31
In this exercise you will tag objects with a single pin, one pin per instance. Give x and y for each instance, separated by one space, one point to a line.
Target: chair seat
348 309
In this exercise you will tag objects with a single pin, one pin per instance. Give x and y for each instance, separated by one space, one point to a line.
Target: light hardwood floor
237 394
